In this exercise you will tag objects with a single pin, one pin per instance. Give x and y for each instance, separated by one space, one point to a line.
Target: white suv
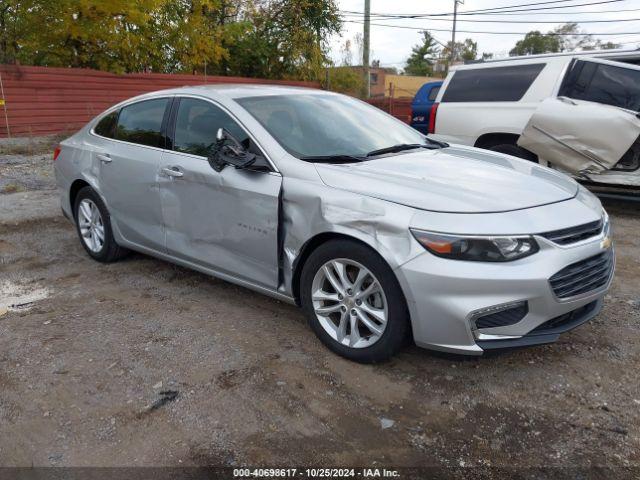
577 112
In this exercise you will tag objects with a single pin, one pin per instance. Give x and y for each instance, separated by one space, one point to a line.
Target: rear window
607 84
433 94
107 126
142 122
496 84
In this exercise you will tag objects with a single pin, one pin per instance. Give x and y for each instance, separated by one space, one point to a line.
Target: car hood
455 179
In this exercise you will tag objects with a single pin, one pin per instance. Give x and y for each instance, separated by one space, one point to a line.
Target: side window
142 122
433 94
107 126
607 84
197 123
577 79
495 84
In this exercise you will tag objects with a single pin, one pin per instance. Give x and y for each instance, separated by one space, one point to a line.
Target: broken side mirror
229 151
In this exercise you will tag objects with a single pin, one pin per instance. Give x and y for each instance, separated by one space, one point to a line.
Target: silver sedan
379 234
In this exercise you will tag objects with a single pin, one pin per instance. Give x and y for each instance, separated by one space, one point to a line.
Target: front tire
93 225
353 301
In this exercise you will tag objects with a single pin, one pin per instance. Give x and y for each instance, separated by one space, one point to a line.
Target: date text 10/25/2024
315 473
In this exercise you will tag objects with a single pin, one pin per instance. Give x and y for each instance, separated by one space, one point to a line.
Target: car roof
241 90
613 54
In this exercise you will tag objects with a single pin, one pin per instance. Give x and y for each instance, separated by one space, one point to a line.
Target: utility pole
365 46
453 33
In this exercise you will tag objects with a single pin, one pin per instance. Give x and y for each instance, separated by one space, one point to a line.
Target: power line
402 17
492 33
589 12
428 15
509 7
495 12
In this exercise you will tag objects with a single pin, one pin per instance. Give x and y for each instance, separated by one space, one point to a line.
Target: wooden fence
44 100
398 107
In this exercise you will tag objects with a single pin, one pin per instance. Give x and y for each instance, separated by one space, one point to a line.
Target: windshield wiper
432 145
333 158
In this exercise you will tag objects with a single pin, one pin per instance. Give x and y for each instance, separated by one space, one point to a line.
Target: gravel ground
144 363
25 164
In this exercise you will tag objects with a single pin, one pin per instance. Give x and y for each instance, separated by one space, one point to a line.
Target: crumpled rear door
579 136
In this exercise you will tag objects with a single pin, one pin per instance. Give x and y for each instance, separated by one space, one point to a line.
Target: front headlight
477 248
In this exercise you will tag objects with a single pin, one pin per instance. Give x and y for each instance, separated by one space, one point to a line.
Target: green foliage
259 38
565 38
535 43
345 80
13 27
423 57
605 45
284 39
464 51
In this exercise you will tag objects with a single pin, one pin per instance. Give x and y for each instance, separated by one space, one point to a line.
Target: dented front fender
310 208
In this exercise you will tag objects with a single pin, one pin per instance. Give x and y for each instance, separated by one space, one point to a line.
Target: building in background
404 86
385 82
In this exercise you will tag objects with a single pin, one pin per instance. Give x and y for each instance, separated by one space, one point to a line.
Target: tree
535 43
565 38
13 28
600 45
465 51
422 57
286 39
108 35
345 80
570 38
267 38
347 53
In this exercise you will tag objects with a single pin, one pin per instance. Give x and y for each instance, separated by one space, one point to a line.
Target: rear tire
93 225
515 151
368 320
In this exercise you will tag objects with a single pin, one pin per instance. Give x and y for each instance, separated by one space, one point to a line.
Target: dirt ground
84 361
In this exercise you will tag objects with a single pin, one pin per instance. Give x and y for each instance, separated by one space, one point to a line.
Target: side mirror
229 151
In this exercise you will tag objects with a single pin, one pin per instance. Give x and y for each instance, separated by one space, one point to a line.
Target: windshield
317 125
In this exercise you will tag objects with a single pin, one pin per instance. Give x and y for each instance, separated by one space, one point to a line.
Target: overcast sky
393 45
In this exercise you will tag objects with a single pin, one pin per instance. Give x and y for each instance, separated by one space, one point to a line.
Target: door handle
104 157
172 172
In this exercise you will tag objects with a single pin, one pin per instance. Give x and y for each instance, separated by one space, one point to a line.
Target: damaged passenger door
224 220
593 124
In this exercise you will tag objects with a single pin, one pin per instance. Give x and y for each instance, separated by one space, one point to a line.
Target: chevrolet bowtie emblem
606 243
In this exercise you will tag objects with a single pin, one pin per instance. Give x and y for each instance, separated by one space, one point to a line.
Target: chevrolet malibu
379 234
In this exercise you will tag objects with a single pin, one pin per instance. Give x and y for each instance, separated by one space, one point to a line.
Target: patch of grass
31 146
12 188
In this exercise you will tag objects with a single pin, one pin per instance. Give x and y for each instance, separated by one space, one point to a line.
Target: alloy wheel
91 225
349 303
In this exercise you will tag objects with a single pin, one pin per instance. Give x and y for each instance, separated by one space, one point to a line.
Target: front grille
570 235
565 321
583 276
503 318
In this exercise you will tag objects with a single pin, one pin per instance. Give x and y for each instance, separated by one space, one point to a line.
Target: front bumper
444 297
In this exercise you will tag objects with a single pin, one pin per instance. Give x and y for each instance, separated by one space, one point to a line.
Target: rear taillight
56 152
432 118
